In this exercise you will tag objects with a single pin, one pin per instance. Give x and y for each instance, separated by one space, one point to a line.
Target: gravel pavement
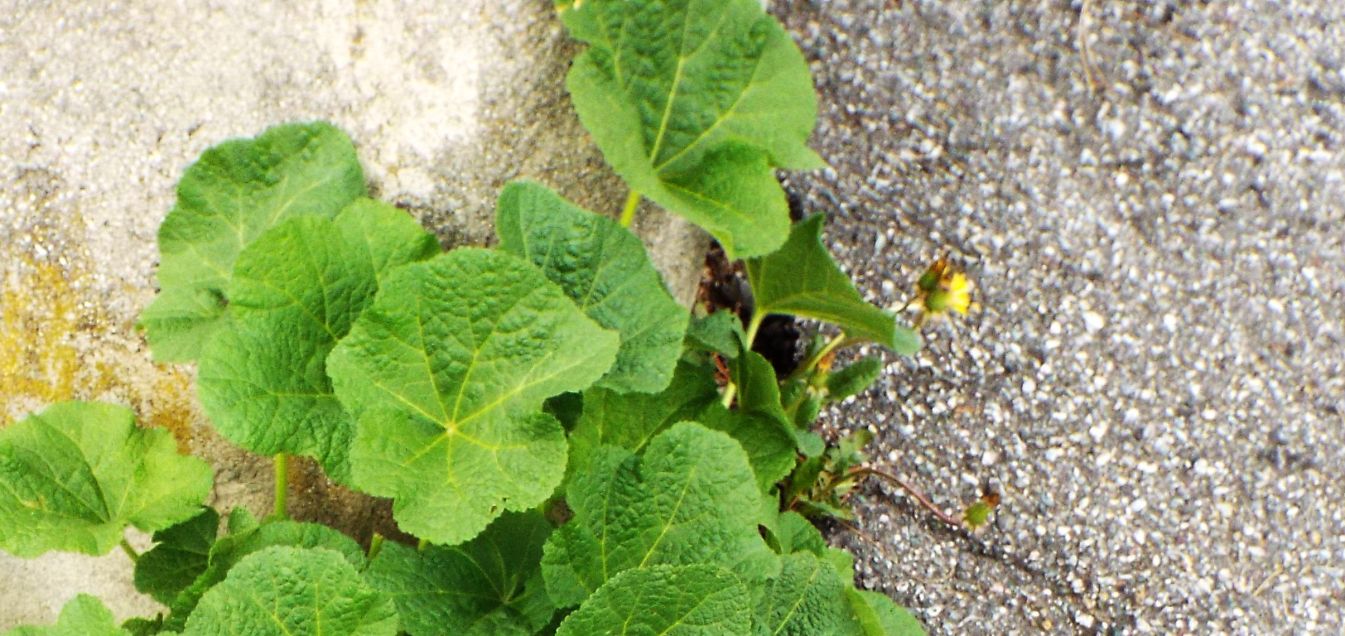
1152 204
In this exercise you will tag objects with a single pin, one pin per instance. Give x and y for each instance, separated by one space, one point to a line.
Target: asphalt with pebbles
1150 197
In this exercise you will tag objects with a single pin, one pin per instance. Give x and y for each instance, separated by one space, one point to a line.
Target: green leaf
691 498
75 475
692 102
383 236
489 585
181 555
286 590
759 397
720 332
805 599
801 279
248 537
796 534
770 448
83 615
230 196
605 269
630 420
875 614
446 373
855 378
689 600
296 291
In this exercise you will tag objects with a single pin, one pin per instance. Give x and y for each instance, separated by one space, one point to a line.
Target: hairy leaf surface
489 585
874 614
296 291
692 102
248 537
230 196
801 279
284 590
630 420
446 373
770 446
807 598
75 475
687 600
691 498
605 269
182 553
83 615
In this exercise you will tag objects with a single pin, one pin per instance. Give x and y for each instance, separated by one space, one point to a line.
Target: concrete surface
1155 384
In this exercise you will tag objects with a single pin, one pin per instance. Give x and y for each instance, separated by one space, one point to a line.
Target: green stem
375 544
421 545
282 482
628 212
811 363
752 327
130 552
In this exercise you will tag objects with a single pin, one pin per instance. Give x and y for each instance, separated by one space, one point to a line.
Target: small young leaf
76 474
688 600
759 396
874 614
692 102
691 498
285 590
605 269
630 420
489 585
854 378
230 196
801 279
721 332
247 537
446 373
181 555
83 615
805 599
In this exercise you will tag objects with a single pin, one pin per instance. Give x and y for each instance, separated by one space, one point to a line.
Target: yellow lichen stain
57 342
38 320
171 406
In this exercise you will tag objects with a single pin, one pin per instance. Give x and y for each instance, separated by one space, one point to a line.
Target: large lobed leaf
489 585
296 291
605 269
693 102
230 196
802 279
687 600
691 498
284 590
75 475
446 373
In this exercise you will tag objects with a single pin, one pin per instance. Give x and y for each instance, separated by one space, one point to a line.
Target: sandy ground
1149 197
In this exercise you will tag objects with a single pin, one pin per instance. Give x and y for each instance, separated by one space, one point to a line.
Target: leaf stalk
628 212
130 551
282 484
